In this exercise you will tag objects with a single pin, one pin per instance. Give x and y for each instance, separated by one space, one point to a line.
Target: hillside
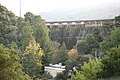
104 11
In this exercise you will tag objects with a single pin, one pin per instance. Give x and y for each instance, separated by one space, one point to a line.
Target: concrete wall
85 23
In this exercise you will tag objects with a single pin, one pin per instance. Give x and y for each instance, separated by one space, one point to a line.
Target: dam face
71 31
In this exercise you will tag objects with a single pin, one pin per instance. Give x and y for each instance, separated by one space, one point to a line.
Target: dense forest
27 45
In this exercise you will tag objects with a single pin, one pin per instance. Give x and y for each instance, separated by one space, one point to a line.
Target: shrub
111 62
89 70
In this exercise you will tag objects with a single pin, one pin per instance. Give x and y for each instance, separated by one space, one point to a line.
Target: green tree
81 46
101 33
55 48
61 76
54 33
111 62
32 60
29 16
8 29
86 46
115 37
10 68
112 41
89 70
26 35
41 34
117 21
69 36
61 56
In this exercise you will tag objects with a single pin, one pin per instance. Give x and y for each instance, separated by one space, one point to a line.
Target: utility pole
20 7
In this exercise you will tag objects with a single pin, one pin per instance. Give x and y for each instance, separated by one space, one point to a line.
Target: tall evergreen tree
32 59
41 34
26 35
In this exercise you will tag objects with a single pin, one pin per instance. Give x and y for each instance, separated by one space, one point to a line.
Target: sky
38 6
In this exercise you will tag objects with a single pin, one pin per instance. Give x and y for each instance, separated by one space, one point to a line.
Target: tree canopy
10 68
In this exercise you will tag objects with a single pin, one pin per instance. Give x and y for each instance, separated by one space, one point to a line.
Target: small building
54 69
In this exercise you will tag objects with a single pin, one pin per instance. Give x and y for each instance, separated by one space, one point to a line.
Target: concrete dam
71 31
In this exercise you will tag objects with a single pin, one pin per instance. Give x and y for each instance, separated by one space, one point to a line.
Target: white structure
54 69
85 23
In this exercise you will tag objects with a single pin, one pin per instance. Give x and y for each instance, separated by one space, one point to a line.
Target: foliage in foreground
89 70
10 68
32 60
108 66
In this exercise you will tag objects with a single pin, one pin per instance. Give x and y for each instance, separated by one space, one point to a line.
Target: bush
89 70
111 62
61 76
47 76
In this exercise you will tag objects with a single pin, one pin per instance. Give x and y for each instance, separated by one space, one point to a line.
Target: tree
10 68
105 44
69 34
89 70
55 46
54 33
101 33
61 56
89 38
29 16
41 34
32 59
117 21
81 46
26 35
112 41
73 53
61 76
8 29
115 37
86 46
111 62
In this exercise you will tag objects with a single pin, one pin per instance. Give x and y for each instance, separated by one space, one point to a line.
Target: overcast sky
38 6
